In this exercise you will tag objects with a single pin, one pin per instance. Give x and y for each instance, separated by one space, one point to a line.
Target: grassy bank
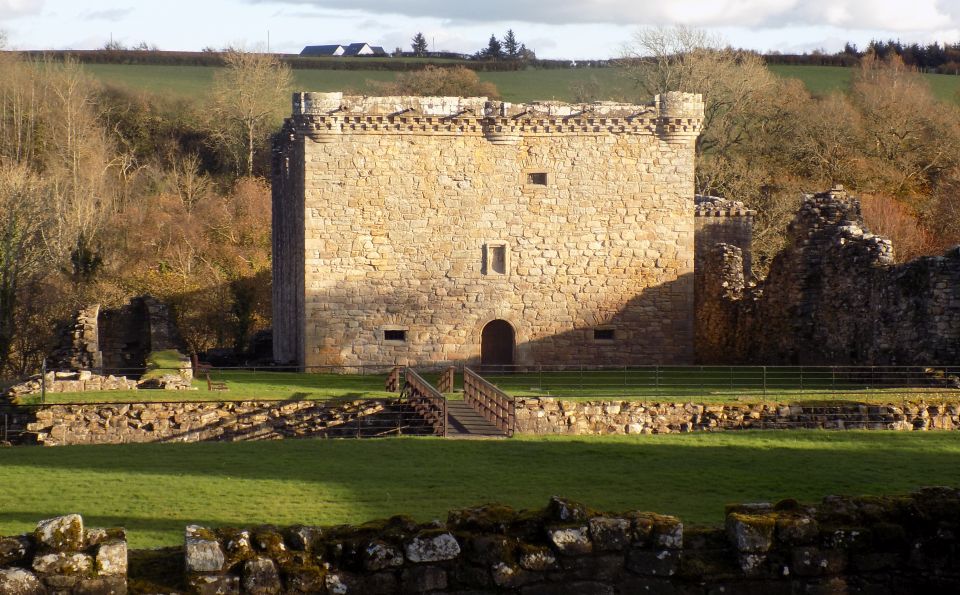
155 490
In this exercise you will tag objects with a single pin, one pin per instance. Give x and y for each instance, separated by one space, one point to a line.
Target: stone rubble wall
122 423
833 296
116 339
68 382
79 343
62 556
548 415
398 199
895 544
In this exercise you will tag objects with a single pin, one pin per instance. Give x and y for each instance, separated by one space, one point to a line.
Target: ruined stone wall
899 544
720 220
123 423
833 296
435 216
64 556
548 415
116 340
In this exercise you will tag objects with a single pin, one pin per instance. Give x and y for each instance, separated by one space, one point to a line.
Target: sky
577 29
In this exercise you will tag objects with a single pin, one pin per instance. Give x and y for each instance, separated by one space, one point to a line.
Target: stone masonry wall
62 556
409 202
833 296
122 423
548 415
884 545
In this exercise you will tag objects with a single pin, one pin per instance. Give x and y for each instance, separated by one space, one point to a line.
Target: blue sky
555 29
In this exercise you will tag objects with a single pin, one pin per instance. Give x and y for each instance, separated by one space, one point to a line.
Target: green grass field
190 82
722 384
709 385
155 490
242 385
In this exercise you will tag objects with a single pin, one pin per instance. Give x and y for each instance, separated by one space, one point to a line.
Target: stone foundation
119 423
62 556
68 382
547 415
901 544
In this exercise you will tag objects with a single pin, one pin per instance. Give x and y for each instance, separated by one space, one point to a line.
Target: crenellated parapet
326 117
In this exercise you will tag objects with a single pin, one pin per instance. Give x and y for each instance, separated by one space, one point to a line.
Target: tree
22 253
494 50
419 44
510 45
248 95
440 81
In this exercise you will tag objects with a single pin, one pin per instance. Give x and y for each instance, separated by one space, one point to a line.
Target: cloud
112 14
893 15
10 9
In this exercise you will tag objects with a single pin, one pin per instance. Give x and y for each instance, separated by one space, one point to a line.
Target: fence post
6 433
764 382
43 381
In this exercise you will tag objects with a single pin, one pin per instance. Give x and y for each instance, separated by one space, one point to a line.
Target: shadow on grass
692 476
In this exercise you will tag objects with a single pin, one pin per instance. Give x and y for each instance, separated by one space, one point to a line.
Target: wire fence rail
717 383
707 384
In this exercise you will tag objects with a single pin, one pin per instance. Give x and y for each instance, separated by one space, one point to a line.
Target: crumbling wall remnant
833 296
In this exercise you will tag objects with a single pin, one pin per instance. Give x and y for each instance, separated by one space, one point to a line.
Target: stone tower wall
421 214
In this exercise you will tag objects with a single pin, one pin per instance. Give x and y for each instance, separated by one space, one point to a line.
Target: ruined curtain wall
833 296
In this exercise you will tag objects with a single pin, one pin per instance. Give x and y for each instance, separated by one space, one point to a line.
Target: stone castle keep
428 230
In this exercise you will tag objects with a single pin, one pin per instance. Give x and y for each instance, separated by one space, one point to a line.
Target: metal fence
692 383
723 383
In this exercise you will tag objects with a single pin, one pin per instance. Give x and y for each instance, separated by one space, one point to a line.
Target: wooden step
464 422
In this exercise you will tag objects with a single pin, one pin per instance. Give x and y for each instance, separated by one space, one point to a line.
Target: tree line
943 58
767 140
105 193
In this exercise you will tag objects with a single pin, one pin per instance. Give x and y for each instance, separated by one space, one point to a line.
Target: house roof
320 50
352 49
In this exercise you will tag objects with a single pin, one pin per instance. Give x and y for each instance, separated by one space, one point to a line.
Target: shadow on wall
654 327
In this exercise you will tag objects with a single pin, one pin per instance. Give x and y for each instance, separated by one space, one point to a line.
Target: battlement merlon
324 117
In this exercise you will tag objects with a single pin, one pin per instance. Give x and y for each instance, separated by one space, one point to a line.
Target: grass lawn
709 385
155 490
191 82
720 385
242 385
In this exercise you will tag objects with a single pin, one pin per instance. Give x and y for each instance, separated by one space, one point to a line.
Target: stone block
421 579
654 562
17 581
260 577
61 534
571 541
111 558
202 552
435 548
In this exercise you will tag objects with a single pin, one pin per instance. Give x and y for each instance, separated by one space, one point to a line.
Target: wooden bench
215 386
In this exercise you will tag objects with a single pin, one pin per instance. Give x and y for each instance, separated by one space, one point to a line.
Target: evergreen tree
419 44
494 49
510 46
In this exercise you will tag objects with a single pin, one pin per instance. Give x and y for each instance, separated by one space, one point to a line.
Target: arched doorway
496 344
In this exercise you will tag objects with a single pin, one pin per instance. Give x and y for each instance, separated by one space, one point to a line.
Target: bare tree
248 96
22 252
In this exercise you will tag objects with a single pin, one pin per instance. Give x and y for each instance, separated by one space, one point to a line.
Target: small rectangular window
498 259
394 335
537 178
603 334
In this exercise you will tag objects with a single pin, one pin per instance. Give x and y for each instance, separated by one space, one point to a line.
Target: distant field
189 82
154 490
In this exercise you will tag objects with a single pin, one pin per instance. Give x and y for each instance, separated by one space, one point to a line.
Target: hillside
517 86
